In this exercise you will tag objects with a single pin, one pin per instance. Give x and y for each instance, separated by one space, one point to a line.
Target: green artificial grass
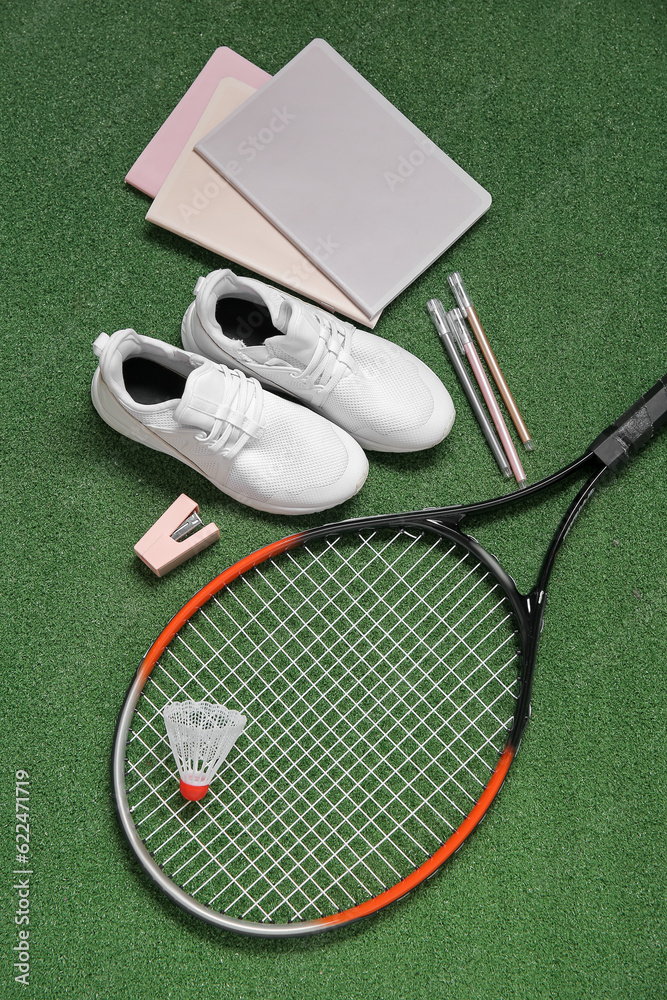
558 110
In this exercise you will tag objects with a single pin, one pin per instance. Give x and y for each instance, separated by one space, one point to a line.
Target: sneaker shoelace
238 418
331 360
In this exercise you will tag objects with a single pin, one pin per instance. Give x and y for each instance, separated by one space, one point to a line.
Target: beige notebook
195 202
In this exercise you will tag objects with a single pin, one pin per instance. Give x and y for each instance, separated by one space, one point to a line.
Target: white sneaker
260 449
385 397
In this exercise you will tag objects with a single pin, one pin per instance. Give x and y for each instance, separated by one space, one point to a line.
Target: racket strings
378 674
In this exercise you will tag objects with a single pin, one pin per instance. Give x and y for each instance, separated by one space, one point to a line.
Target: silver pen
437 313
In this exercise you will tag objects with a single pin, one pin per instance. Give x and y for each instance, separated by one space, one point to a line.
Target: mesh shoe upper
263 450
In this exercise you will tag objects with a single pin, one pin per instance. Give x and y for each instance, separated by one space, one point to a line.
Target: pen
437 313
468 310
457 326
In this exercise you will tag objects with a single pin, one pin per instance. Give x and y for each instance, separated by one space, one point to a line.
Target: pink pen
455 318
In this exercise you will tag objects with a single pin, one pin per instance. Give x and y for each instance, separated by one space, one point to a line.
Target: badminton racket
385 667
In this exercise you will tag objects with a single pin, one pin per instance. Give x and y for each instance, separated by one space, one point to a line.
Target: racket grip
634 428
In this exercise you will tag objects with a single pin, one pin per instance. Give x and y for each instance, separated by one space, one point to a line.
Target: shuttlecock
201 734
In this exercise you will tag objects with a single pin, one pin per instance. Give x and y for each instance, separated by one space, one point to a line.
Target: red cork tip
193 792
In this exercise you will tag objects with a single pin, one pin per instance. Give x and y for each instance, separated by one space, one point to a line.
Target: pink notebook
151 168
197 203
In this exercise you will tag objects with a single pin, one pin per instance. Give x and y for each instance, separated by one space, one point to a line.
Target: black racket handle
634 428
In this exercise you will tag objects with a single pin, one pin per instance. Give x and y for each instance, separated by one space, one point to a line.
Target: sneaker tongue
204 392
299 330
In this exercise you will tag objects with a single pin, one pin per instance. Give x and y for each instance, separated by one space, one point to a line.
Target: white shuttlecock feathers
201 734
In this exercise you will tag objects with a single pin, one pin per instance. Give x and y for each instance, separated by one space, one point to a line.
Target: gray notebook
345 176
